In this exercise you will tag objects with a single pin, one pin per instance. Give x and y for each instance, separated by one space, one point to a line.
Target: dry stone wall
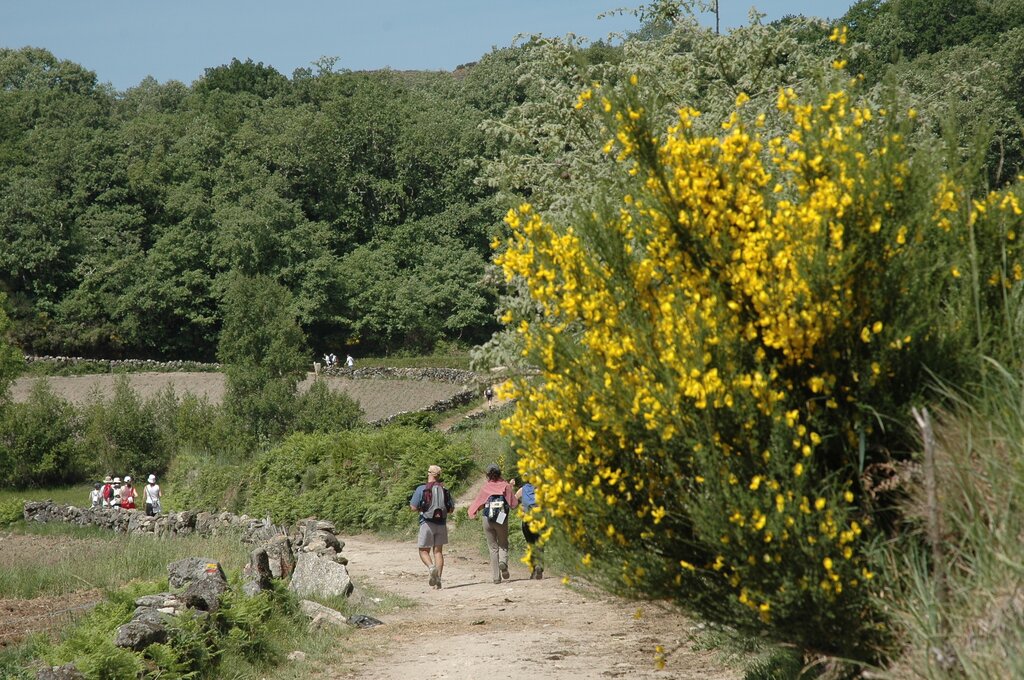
121 365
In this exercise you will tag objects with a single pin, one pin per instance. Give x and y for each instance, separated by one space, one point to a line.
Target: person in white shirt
115 500
96 496
349 361
152 495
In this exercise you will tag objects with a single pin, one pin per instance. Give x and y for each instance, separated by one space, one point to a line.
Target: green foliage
90 643
778 664
38 441
360 479
127 214
122 435
206 481
239 636
11 360
10 511
262 349
322 410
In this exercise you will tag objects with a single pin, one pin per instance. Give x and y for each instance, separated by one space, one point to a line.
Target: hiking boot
538 573
434 578
497 580
503 568
437 586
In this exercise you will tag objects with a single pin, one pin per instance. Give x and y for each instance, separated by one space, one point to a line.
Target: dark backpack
434 505
496 508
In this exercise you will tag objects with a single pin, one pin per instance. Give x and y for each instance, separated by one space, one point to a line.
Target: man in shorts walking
433 502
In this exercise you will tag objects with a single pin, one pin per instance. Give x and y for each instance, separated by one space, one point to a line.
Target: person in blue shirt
433 508
527 495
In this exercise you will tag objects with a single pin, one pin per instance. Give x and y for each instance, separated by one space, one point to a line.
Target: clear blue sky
123 41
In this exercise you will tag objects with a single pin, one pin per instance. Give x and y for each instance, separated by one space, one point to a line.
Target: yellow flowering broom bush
722 344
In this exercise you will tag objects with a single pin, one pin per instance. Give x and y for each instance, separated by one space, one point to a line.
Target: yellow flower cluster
699 346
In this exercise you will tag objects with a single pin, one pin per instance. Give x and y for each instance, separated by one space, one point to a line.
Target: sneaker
437 586
538 573
497 580
434 579
503 568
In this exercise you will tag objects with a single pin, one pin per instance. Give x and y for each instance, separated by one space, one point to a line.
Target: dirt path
450 422
473 628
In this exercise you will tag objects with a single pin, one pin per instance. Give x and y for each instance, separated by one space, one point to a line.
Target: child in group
128 494
527 495
96 496
151 496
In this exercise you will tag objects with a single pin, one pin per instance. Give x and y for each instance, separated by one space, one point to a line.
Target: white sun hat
152 479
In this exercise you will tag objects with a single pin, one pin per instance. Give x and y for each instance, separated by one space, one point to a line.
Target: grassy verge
55 559
64 495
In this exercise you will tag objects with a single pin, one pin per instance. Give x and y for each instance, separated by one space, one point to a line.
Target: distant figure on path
96 496
433 502
152 496
349 361
496 498
489 394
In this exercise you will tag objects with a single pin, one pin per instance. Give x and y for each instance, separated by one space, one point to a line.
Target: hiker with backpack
434 503
496 499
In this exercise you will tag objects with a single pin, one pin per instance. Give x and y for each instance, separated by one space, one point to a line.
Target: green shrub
419 419
38 444
10 512
203 481
720 342
322 410
361 479
241 634
192 423
123 436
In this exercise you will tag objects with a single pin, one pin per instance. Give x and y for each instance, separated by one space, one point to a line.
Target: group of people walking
331 361
495 501
113 493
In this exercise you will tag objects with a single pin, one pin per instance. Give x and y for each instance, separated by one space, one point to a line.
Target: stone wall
455 376
136 522
456 400
122 365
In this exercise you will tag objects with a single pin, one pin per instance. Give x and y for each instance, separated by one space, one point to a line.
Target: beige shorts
432 534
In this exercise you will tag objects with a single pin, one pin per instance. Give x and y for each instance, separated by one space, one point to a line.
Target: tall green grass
960 607
77 495
99 558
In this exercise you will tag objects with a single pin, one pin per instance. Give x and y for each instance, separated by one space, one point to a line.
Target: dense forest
372 196
124 212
